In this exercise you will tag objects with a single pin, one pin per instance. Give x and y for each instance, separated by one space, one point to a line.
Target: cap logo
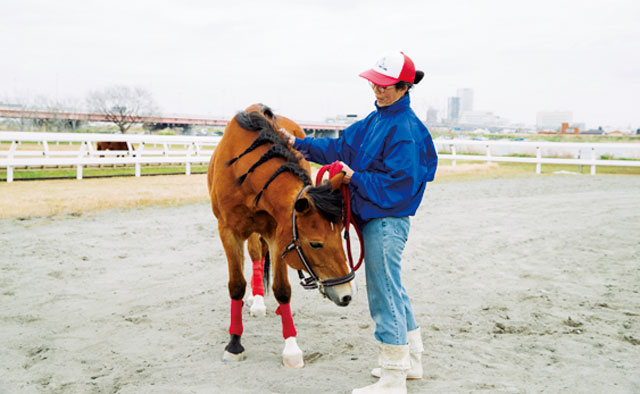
382 65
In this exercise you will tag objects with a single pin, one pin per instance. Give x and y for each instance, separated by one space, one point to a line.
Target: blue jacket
392 155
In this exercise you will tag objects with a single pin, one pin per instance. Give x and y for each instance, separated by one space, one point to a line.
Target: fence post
488 154
538 158
14 145
593 160
453 153
188 164
136 156
79 165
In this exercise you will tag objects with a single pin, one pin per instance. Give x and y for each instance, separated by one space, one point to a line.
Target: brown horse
113 145
258 185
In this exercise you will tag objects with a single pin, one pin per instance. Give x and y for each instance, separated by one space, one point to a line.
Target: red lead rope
347 219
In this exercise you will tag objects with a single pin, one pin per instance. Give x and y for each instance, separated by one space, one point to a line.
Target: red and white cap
390 69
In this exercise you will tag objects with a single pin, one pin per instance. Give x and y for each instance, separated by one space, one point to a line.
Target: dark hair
400 85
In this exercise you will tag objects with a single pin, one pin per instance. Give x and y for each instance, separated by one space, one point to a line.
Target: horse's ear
302 205
336 181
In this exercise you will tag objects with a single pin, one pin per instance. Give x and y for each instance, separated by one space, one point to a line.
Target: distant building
432 115
453 109
552 120
482 118
466 100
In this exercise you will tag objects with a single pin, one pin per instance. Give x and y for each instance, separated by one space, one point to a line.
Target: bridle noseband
313 281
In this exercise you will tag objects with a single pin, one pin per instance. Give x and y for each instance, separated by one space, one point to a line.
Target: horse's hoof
257 306
292 355
232 357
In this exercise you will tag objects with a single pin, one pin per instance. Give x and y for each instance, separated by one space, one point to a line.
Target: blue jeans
389 304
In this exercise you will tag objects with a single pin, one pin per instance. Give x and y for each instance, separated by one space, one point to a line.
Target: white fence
29 149
538 153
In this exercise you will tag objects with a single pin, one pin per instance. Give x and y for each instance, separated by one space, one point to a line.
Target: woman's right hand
286 136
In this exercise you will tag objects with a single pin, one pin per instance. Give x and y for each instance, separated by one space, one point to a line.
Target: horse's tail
266 277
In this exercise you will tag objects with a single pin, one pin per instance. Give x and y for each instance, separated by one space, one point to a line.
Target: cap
390 69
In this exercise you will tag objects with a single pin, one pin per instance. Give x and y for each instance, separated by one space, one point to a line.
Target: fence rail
30 149
540 152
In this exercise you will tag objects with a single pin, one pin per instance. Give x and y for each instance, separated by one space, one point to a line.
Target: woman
388 158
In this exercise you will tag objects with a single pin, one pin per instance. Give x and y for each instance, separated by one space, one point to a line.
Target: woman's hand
348 172
286 136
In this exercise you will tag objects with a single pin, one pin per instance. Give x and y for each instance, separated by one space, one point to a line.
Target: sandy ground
524 285
51 197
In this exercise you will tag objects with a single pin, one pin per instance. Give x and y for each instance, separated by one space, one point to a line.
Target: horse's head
318 213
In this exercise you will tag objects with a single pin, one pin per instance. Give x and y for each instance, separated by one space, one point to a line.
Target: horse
258 185
113 145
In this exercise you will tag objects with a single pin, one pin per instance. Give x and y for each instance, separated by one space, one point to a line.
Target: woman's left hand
348 172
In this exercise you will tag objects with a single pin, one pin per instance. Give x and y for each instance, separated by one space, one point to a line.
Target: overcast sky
302 58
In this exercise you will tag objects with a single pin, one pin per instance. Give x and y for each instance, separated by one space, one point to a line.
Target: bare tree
122 105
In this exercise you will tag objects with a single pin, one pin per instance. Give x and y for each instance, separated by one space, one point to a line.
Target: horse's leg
291 355
234 249
254 244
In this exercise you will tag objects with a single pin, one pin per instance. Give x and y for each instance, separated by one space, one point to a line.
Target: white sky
302 58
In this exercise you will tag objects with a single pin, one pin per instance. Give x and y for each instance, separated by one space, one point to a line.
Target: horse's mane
328 202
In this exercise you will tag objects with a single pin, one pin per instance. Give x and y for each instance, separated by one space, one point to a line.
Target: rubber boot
415 355
394 363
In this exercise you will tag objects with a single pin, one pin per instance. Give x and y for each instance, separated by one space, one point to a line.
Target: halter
313 281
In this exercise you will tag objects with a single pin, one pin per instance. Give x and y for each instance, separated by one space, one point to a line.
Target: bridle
313 281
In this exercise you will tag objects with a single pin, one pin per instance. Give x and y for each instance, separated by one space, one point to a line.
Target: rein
313 281
347 219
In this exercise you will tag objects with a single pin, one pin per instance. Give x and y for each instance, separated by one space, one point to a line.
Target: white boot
415 355
394 362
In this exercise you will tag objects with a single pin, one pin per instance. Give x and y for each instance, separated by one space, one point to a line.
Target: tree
122 105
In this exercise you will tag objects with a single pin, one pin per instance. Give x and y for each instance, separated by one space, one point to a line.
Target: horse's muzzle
341 295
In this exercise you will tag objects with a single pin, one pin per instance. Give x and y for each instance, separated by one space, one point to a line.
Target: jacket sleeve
402 178
326 150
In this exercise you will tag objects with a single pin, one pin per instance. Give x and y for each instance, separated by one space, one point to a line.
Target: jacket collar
398 106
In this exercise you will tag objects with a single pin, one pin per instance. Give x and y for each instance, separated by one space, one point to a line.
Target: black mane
328 202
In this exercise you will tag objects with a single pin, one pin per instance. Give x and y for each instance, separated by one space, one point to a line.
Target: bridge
309 128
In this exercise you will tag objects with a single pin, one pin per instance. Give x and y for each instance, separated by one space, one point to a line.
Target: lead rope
347 218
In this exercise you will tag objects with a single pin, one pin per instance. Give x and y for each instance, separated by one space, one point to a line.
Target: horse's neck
279 203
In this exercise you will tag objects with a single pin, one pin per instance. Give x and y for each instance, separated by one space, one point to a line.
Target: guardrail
540 152
29 149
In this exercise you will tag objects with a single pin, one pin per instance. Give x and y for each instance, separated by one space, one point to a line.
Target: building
432 115
466 100
552 120
482 119
453 109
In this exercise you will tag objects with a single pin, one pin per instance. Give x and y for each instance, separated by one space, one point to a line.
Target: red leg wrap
257 284
288 329
236 317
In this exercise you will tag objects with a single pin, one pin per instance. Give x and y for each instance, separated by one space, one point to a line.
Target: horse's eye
315 245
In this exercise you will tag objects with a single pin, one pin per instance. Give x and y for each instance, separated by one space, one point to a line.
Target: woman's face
387 95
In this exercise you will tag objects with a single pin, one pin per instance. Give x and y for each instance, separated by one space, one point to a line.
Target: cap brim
379 79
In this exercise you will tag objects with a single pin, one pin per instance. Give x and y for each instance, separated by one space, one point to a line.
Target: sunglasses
378 87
